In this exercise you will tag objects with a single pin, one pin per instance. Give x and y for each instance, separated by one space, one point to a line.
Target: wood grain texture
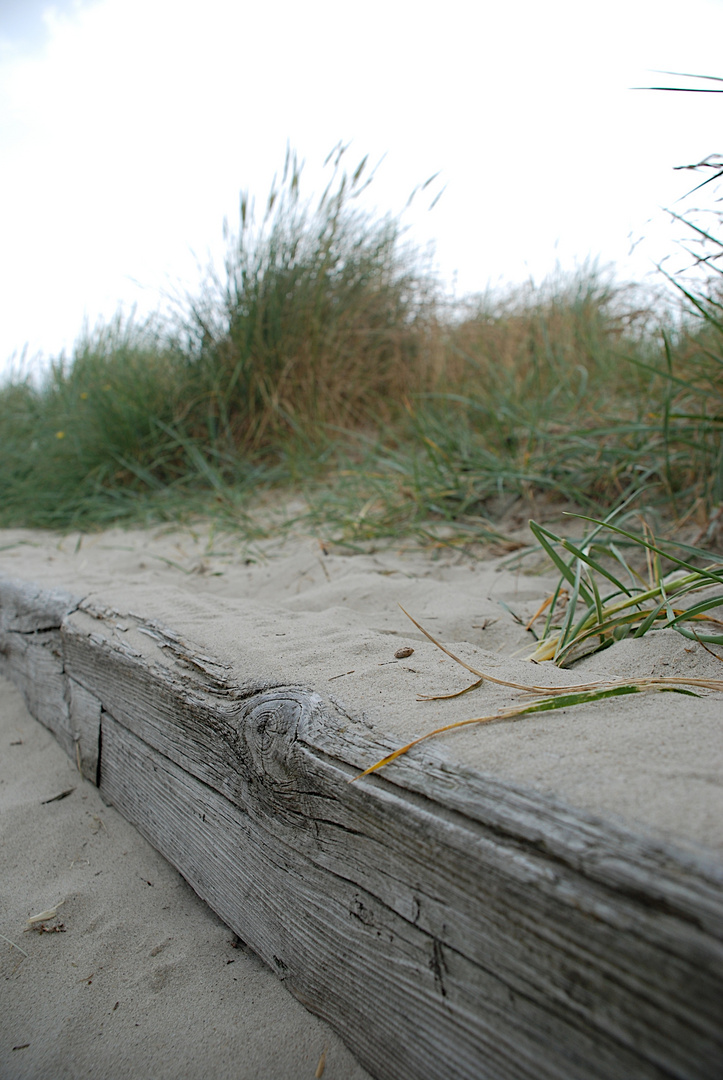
444 922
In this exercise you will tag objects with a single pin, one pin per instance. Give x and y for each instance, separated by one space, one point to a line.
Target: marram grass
601 596
326 360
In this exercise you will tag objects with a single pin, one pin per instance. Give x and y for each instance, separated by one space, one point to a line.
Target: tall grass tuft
575 390
324 318
88 436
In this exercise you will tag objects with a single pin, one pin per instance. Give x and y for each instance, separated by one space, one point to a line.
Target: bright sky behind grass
129 127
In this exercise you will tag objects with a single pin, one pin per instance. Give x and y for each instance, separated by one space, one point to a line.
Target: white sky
128 128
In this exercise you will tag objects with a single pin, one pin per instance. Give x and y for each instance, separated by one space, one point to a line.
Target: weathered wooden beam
444 922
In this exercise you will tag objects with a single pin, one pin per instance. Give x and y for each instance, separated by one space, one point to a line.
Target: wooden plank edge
518 938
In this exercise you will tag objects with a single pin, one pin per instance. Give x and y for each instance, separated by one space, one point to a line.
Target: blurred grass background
327 362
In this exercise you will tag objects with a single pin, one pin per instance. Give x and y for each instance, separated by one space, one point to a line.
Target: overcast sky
129 127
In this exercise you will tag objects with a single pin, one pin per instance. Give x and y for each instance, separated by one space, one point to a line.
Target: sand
306 612
136 976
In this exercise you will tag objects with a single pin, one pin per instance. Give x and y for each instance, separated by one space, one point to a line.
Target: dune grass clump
542 399
87 439
602 597
324 318
573 391
325 361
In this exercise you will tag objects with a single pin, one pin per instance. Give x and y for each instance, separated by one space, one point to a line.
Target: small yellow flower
59 434
84 396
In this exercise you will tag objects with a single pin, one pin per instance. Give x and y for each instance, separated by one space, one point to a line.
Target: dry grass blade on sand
554 698
650 681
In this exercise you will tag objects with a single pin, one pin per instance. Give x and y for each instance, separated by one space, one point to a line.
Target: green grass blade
572 577
579 553
567 629
708 573
698 609
693 635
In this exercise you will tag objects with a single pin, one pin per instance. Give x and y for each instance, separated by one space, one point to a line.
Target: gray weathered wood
444 922
84 716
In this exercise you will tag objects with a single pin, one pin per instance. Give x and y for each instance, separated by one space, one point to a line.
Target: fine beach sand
141 979
301 610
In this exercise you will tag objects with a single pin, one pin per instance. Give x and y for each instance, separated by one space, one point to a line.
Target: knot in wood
269 730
